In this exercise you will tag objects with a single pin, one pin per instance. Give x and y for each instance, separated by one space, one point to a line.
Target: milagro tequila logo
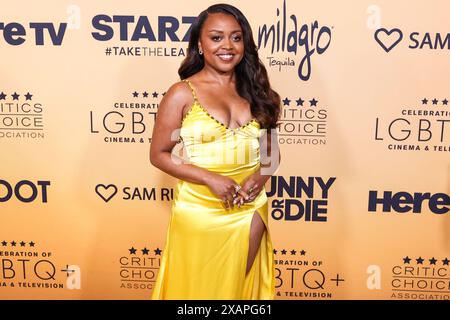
288 37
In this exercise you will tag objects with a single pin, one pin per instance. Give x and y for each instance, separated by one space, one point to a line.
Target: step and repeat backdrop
358 208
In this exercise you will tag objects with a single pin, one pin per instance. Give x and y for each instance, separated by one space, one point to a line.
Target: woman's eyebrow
219 31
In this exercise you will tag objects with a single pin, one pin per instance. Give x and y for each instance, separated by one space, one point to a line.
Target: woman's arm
269 153
270 158
165 133
167 123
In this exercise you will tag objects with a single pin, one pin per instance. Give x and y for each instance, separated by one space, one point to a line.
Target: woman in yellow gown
218 244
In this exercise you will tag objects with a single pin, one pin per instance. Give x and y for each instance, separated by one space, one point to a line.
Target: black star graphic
444 102
445 262
293 252
135 94
2 96
283 251
275 251
28 96
419 260
144 251
406 259
432 260
4 243
303 252
299 102
145 94
22 243
286 102
31 244
424 101
15 96
163 93
132 250
435 101
13 243
155 94
157 251
313 102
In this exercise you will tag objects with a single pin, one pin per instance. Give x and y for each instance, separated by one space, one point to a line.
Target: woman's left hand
252 185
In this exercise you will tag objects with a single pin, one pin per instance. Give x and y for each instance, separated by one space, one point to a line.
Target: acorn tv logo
405 202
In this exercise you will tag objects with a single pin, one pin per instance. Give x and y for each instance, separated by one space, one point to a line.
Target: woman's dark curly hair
252 82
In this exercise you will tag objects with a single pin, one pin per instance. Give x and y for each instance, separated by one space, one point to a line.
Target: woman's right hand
224 188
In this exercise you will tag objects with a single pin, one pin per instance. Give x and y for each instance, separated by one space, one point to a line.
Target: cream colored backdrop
84 215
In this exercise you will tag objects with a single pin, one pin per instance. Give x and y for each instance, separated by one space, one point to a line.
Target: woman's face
221 41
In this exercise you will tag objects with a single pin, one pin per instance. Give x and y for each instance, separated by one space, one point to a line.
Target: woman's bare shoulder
178 89
178 94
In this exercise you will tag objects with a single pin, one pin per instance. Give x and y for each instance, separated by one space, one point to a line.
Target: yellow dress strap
192 89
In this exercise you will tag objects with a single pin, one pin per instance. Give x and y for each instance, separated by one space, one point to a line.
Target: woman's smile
226 57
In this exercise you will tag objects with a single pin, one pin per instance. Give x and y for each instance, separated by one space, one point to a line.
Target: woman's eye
217 38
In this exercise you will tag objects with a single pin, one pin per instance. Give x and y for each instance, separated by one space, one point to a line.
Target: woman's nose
227 43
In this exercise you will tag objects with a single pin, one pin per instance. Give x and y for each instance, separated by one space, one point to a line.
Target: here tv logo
405 202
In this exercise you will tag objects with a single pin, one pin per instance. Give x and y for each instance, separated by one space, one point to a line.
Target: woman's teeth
226 57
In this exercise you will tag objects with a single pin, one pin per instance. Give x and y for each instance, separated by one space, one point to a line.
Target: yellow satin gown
206 250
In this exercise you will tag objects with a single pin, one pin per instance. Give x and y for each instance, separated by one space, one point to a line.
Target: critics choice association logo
296 198
300 276
21 116
303 121
138 267
422 126
421 278
25 265
129 121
